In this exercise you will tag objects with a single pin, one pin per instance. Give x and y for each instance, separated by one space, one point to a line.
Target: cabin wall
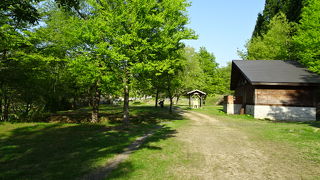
288 113
246 92
292 96
284 103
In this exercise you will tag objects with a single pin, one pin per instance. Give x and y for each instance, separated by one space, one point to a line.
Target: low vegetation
57 150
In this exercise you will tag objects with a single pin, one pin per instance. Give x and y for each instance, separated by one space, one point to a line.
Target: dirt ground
224 152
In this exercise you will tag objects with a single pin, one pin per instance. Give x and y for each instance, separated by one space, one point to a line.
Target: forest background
66 54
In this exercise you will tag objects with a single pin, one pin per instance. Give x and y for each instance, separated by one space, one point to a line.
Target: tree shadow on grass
151 115
114 114
126 168
106 113
67 151
56 151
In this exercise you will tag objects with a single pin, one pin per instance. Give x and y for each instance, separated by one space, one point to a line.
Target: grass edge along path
103 172
160 161
158 153
304 136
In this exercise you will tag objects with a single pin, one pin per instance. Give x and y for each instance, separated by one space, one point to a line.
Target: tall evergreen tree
291 8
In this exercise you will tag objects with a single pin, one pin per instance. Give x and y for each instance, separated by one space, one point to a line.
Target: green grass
155 157
68 150
305 136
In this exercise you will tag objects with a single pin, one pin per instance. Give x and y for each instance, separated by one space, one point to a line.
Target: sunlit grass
56 150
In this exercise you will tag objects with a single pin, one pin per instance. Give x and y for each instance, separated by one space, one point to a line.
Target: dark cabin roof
196 91
272 72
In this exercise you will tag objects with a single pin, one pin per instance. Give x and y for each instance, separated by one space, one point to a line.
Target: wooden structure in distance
196 98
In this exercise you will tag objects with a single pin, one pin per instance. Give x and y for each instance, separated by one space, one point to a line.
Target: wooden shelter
196 98
279 90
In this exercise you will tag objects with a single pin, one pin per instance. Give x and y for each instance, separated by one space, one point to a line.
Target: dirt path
227 153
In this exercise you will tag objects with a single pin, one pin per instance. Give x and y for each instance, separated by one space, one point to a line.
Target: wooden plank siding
277 96
246 93
289 96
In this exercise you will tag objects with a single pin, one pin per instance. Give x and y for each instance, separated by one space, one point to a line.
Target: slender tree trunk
170 95
74 103
177 101
6 107
1 104
1 107
171 99
95 105
126 99
171 103
157 98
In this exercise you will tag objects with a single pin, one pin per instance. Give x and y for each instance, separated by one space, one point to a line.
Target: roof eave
283 84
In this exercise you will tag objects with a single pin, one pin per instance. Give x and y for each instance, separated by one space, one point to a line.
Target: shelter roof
196 91
273 72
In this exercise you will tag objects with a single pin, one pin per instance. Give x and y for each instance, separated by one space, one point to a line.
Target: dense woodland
65 54
287 30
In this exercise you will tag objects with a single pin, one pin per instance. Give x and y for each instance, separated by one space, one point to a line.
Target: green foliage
15 12
291 34
192 74
223 80
276 44
85 48
290 8
200 71
307 39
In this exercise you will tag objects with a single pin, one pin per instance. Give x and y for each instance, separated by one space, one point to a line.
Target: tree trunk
171 99
1 107
126 99
157 98
177 101
95 105
171 104
6 106
170 95
74 103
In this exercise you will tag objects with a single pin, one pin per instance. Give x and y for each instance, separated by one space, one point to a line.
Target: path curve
228 153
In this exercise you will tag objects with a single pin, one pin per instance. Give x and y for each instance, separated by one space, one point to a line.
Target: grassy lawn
303 136
68 150
156 156
57 150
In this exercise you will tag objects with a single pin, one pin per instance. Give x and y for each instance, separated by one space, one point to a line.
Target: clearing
227 147
192 144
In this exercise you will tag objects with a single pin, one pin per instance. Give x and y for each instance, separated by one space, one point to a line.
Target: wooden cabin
273 89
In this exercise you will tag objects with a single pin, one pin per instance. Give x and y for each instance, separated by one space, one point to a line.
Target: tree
144 32
291 8
276 44
84 48
223 79
307 41
31 79
192 74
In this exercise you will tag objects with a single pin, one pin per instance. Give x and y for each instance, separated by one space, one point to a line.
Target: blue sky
223 26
